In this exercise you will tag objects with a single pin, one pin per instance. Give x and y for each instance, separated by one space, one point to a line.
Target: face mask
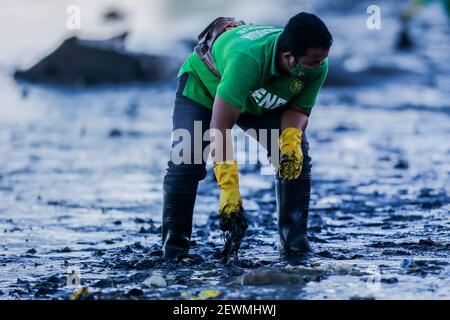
300 71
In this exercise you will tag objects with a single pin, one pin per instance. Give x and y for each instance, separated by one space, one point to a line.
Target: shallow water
81 170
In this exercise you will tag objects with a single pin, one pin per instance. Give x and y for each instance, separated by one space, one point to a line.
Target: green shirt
245 57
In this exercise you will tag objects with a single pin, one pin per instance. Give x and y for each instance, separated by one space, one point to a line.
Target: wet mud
80 191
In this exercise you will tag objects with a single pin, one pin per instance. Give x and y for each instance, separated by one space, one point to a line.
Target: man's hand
232 219
291 159
293 123
226 173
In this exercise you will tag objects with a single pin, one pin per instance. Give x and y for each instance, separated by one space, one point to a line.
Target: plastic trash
156 280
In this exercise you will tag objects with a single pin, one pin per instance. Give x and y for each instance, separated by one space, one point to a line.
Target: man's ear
289 58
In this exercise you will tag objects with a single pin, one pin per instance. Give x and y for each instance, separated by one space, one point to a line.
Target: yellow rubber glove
228 180
291 159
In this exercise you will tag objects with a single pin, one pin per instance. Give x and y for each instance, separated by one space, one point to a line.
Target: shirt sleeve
307 98
239 77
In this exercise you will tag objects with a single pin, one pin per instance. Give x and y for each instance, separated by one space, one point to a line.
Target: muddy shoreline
81 172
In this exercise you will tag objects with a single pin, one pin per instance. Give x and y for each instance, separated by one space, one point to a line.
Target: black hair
304 31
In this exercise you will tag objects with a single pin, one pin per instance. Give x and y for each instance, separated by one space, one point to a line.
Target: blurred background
82 156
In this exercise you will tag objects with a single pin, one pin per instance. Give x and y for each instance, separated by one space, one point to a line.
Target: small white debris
156 280
171 277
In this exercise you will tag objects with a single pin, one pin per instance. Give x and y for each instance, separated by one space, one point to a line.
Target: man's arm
295 117
239 78
224 116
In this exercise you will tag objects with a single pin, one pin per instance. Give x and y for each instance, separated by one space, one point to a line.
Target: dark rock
32 251
65 250
389 280
403 218
127 249
315 229
43 291
316 239
55 203
114 15
104 283
401 164
396 253
424 268
140 220
156 252
382 244
115 133
20 281
48 286
201 233
135 292
425 193
193 259
99 253
248 264
146 264
427 242
122 264
94 62
343 127
325 254
431 204
151 229
137 246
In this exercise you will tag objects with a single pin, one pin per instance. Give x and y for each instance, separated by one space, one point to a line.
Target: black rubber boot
292 207
178 209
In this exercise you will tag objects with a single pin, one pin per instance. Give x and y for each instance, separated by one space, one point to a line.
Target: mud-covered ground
81 170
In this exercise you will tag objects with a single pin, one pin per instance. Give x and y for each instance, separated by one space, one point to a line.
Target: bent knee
184 176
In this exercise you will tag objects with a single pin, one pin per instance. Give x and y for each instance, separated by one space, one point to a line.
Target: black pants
184 177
